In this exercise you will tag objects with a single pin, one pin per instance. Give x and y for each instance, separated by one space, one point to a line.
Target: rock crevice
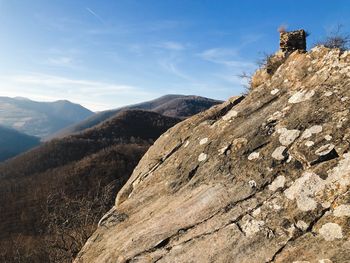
260 179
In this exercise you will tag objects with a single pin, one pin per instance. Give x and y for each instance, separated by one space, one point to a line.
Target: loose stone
287 137
253 156
277 183
203 141
301 96
230 115
278 153
202 157
274 91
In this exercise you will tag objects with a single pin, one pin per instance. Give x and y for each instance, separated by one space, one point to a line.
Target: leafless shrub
247 78
70 221
21 249
264 60
336 39
270 62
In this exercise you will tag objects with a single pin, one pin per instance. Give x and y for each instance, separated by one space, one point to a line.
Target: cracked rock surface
264 178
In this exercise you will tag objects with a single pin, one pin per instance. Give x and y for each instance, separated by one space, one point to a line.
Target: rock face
264 178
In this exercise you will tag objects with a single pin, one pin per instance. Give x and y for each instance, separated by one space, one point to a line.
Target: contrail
95 15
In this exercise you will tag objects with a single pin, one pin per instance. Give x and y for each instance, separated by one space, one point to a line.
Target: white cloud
244 65
250 39
171 65
70 58
171 45
226 57
231 66
61 61
218 54
58 83
136 49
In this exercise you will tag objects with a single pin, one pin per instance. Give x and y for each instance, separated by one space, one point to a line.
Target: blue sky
108 53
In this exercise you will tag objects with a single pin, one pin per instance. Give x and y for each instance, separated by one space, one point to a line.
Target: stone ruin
293 40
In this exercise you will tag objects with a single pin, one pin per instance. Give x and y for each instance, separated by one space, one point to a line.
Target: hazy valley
39 119
13 142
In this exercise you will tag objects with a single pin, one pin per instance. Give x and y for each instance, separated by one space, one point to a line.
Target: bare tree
336 39
70 221
14 250
247 78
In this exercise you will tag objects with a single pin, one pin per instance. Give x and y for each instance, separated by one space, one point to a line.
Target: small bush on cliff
70 220
247 78
336 39
271 62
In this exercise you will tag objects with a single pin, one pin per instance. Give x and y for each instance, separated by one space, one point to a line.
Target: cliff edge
263 178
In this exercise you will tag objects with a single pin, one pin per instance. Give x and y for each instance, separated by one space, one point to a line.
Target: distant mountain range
13 142
49 120
178 106
40 119
77 176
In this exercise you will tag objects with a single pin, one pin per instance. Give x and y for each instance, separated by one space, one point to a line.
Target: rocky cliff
258 179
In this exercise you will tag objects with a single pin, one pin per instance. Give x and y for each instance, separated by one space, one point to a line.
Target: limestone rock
248 187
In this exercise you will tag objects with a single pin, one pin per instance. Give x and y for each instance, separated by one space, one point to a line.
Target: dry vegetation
70 220
336 39
52 197
271 62
268 62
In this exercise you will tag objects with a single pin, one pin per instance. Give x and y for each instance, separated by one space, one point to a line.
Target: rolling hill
178 106
13 142
74 177
39 118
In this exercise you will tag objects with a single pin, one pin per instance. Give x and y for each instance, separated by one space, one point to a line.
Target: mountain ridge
172 105
13 142
39 118
75 178
49 181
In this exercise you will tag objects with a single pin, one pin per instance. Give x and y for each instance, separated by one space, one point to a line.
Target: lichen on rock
331 231
304 189
250 180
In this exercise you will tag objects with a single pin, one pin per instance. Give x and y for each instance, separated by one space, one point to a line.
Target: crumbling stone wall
294 40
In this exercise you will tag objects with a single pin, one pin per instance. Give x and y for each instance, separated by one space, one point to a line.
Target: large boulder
264 178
